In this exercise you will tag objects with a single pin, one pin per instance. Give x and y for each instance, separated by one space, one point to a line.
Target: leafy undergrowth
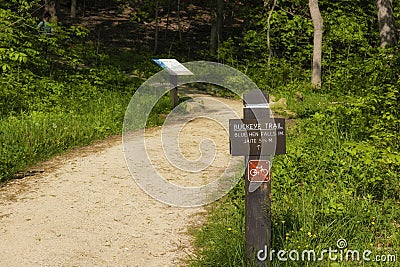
60 91
332 184
220 241
29 138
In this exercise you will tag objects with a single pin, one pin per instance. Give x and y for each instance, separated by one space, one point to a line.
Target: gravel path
87 210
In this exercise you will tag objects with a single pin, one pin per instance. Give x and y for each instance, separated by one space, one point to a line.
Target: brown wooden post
174 90
258 202
258 220
257 137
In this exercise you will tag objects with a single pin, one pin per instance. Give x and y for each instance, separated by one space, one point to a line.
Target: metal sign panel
173 66
259 111
255 138
259 171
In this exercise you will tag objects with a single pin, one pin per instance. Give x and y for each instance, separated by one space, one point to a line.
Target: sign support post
257 137
174 69
258 219
174 90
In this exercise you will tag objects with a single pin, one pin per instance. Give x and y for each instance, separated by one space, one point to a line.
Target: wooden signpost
174 69
257 137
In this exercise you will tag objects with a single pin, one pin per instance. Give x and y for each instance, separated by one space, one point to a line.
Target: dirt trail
88 211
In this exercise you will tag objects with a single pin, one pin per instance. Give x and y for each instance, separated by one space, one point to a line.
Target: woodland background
336 64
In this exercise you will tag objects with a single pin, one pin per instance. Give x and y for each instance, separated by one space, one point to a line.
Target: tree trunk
179 21
216 25
58 6
317 50
220 19
388 29
168 18
73 8
213 39
84 8
213 34
156 32
269 29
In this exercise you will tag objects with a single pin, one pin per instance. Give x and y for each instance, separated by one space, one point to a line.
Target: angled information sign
173 66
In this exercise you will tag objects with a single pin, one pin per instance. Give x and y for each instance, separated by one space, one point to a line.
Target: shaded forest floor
113 29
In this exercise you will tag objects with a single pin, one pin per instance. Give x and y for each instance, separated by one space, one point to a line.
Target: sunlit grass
27 139
318 197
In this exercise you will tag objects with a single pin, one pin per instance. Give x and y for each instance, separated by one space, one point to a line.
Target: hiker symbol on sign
259 171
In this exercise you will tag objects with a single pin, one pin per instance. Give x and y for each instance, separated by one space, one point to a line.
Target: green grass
27 139
327 187
220 241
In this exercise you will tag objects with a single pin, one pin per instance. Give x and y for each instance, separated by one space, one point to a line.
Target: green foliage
221 241
292 38
26 139
16 41
328 186
56 91
290 35
339 183
340 174
339 178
